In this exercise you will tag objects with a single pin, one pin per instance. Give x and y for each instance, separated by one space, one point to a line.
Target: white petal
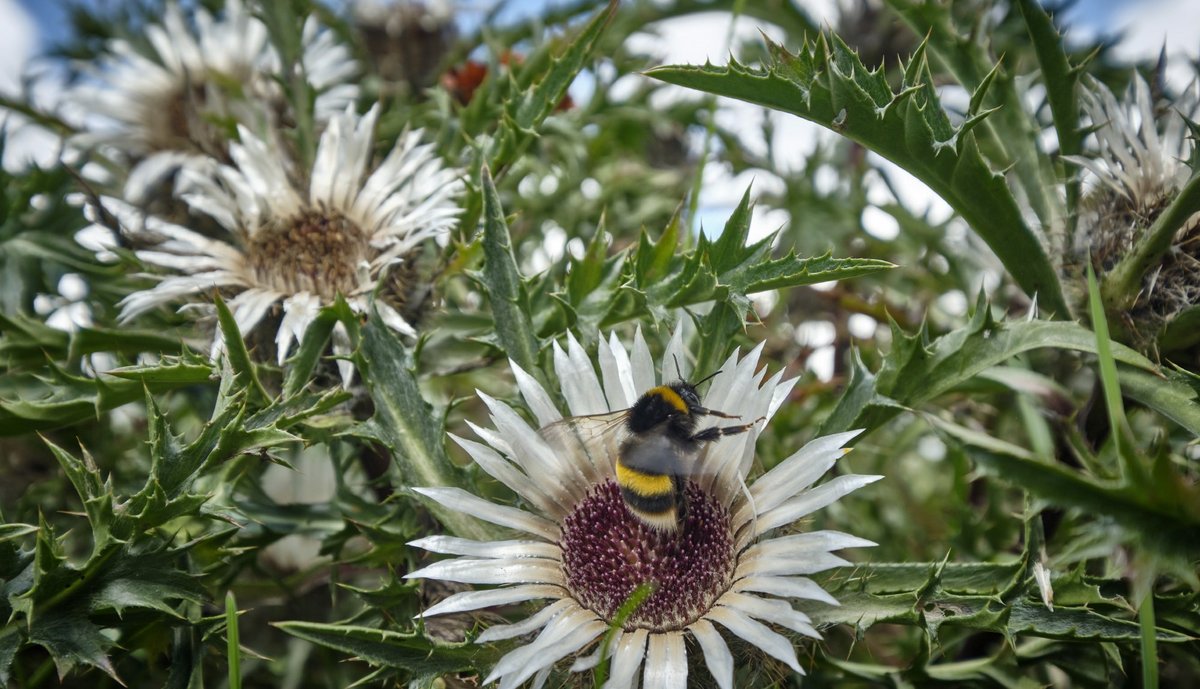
771 610
580 386
626 659
758 634
810 501
505 472
675 363
250 306
530 450
666 662
475 600
538 620
390 316
460 500
535 395
805 564
798 545
493 571
299 311
539 679
342 348
716 652
610 374
780 395
643 364
564 635
788 587
624 369
592 659
450 545
796 473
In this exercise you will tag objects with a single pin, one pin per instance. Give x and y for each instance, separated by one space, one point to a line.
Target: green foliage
176 519
826 83
918 369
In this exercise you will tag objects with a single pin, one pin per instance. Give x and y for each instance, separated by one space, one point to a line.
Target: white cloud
1148 25
21 42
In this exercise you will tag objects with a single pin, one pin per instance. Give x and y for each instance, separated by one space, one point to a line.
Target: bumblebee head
687 393
673 404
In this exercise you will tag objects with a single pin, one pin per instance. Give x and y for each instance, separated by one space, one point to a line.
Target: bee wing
595 439
658 453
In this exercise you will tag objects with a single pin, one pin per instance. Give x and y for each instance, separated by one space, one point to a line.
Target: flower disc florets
317 251
607 553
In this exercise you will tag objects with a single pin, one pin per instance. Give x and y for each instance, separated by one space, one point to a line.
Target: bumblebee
656 446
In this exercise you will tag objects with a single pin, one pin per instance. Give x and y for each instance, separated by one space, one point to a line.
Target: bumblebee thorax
672 404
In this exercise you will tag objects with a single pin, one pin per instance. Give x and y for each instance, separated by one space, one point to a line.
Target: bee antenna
706 378
678 371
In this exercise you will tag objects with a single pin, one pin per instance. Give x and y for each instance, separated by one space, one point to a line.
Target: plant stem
1149 642
232 644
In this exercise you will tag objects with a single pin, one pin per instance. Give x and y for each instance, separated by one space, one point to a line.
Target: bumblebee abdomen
650 497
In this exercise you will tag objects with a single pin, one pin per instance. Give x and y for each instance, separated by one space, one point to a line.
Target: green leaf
236 352
917 370
506 293
406 423
312 346
380 647
233 651
1127 450
1062 82
527 109
826 83
55 398
1008 138
1156 518
1168 393
984 596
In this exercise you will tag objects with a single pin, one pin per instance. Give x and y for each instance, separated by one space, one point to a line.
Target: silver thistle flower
172 107
301 244
1137 169
585 552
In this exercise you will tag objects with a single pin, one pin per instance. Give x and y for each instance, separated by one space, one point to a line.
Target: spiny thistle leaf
655 277
917 370
826 83
1172 396
527 109
57 605
406 423
1061 77
970 595
506 292
236 352
381 647
55 398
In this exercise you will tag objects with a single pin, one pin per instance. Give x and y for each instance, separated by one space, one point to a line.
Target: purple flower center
607 553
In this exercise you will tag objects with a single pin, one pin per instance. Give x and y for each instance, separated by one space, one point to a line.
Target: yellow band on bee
648 485
670 396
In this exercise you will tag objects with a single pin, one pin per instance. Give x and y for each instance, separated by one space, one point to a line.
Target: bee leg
711 434
701 411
